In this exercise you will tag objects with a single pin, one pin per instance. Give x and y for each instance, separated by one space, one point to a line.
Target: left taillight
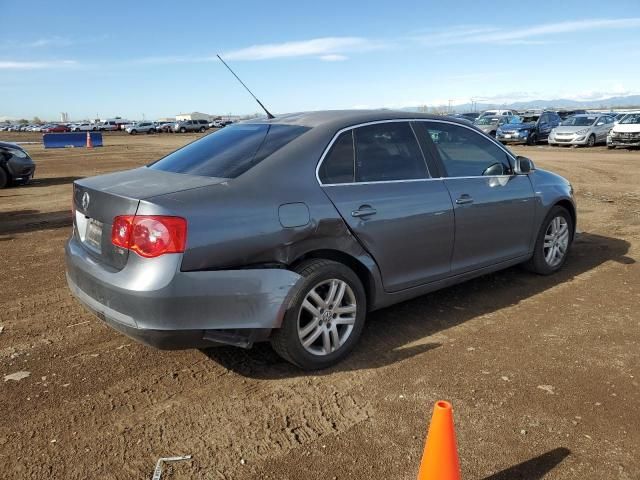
150 235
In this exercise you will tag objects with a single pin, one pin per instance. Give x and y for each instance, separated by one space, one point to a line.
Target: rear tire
4 178
340 324
544 261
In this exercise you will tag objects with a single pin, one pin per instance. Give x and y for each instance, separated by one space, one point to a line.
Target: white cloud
524 35
326 48
21 65
334 57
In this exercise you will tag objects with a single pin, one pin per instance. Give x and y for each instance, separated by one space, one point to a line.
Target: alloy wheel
556 241
327 317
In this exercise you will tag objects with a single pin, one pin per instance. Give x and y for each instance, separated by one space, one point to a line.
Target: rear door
377 178
494 209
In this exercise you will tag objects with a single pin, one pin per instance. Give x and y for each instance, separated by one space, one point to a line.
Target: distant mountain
630 101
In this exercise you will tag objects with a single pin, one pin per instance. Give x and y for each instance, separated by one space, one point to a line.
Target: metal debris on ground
158 470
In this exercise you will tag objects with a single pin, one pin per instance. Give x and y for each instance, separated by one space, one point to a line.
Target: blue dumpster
75 139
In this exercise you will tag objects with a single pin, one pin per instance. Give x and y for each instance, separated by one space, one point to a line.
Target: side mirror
524 166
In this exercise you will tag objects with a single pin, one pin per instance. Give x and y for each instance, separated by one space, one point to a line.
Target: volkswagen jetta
292 229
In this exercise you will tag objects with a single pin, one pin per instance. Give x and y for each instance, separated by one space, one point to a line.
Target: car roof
10 145
338 119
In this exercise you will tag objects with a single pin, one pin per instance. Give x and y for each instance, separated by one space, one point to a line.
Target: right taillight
150 235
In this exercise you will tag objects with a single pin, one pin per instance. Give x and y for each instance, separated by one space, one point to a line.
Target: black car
16 166
529 129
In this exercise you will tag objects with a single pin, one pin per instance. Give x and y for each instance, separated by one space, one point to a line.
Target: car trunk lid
98 200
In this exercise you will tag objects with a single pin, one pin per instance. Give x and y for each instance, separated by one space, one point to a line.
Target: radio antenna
247 88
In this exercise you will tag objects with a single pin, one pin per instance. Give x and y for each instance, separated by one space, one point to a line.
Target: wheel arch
359 268
570 207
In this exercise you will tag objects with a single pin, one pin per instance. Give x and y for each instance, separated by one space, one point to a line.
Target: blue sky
158 58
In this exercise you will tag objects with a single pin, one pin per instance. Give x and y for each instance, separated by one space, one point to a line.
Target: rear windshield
229 152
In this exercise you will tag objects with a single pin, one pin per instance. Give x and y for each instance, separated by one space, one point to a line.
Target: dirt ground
543 372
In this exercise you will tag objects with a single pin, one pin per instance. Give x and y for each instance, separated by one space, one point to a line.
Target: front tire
183 130
532 139
553 242
591 141
325 317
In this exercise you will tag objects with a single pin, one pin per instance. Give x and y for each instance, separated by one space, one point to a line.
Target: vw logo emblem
85 201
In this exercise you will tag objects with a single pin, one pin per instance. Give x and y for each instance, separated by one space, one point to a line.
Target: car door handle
464 199
364 211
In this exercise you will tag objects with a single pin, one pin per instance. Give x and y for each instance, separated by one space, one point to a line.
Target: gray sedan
293 229
584 130
489 125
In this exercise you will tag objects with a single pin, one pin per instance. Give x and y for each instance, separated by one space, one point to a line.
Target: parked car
626 133
108 126
55 129
529 130
585 130
470 117
564 114
82 127
164 127
177 254
191 126
216 124
141 127
498 113
489 125
16 166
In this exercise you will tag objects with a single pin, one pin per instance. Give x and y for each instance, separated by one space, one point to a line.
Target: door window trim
409 120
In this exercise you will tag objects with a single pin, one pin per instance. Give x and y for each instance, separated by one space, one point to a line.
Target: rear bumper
152 301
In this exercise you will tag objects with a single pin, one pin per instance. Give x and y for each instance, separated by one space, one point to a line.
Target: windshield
515 120
229 152
487 121
631 118
579 121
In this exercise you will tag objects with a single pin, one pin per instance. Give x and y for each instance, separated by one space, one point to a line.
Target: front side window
338 165
465 153
229 152
388 151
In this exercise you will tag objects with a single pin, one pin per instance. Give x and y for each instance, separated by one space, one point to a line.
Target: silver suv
141 127
191 126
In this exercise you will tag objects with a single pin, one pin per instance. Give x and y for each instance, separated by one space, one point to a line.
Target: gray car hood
571 129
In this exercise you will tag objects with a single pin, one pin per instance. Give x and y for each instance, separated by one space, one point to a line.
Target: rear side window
229 152
388 151
338 165
466 153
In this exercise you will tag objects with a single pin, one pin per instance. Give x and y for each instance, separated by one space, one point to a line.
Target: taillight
150 235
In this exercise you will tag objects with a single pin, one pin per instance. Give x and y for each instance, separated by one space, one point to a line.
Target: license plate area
90 232
93 235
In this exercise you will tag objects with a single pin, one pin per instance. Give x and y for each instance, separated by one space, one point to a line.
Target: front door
494 209
377 178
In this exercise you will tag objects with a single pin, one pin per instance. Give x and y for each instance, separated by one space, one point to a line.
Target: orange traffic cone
440 457
89 141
